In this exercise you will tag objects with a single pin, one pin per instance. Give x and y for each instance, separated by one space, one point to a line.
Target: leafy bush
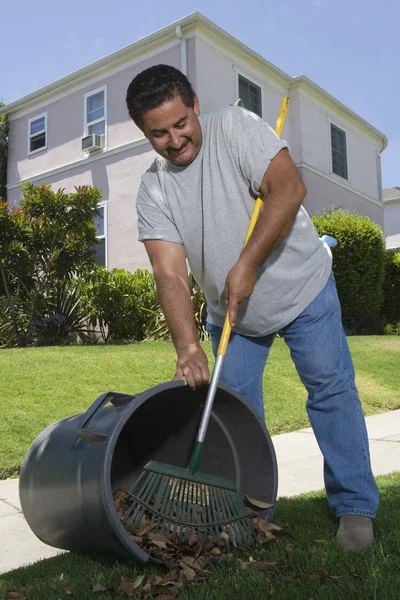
64 317
46 241
157 328
358 265
391 288
119 302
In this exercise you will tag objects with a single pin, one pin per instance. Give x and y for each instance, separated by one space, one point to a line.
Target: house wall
315 121
323 194
65 123
392 223
118 177
217 82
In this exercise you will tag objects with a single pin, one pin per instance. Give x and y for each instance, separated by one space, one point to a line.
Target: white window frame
254 82
104 236
86 124
30 136
338 177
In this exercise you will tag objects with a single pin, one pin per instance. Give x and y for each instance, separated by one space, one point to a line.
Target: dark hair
154 86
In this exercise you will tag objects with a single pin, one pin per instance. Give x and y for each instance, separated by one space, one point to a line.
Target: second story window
37 133
96 112
250 93
339 152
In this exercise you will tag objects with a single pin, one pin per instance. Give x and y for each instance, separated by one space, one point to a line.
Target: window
339 152
251 95
100 247
37 133
96 112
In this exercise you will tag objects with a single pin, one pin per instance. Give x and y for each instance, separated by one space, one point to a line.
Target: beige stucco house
77 130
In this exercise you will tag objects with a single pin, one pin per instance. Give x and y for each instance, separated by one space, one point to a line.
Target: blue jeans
319 350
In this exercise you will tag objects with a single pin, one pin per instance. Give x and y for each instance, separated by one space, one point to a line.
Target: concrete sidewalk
300 470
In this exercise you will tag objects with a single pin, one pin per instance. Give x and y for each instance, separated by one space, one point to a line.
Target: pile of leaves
187 562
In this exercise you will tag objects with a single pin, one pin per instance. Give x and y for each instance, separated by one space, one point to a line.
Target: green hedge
358 265
119 302
391 287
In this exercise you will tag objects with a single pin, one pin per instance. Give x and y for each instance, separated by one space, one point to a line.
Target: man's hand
239 285
192 364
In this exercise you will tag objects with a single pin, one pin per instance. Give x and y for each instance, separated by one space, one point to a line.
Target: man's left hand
239 285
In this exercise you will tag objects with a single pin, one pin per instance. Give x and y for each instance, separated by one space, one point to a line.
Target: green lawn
43 385
312 566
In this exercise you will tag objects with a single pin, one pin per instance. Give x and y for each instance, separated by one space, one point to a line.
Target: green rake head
182 505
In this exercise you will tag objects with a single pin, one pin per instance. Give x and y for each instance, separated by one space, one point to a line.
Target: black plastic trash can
72 468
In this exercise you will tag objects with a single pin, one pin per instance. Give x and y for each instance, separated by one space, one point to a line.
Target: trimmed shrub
358 265
119 302
391 288
157 327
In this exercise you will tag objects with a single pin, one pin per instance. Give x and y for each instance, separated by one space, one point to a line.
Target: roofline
304 81
168 32
394 200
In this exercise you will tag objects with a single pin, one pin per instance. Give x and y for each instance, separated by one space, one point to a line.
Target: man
195 202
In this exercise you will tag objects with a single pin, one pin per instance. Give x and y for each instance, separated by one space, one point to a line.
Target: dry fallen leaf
215 551
147 588
316 575
15 596
189 573
242 565
256 504
188 560
98 588
161 545
127 586
165 597
320 541
334 577
68 590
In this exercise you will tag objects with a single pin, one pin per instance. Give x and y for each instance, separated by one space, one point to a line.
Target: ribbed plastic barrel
72 468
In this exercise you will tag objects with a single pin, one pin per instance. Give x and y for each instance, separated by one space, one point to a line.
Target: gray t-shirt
207 205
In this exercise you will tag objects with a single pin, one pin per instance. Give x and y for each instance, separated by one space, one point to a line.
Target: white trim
104 206
339 181
391 200
335 175
30 136
379 174
79 163
67 91
86 125
182 39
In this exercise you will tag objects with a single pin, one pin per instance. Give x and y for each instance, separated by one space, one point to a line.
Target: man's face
174 130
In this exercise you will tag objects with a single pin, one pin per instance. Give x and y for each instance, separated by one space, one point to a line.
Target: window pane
98 128
37 125
339 152
251 95
99 221
38 141
95 107
100 252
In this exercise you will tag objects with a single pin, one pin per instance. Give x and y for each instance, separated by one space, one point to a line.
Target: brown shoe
355 532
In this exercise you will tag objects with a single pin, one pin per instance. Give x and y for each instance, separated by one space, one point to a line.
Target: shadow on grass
310 566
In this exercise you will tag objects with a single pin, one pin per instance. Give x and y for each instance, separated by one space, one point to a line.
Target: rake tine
163 481
166 512
137 509
167 494
228 515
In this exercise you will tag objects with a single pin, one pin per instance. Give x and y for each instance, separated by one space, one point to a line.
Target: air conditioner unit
93 142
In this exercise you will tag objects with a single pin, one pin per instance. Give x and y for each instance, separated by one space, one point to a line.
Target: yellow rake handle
226 332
